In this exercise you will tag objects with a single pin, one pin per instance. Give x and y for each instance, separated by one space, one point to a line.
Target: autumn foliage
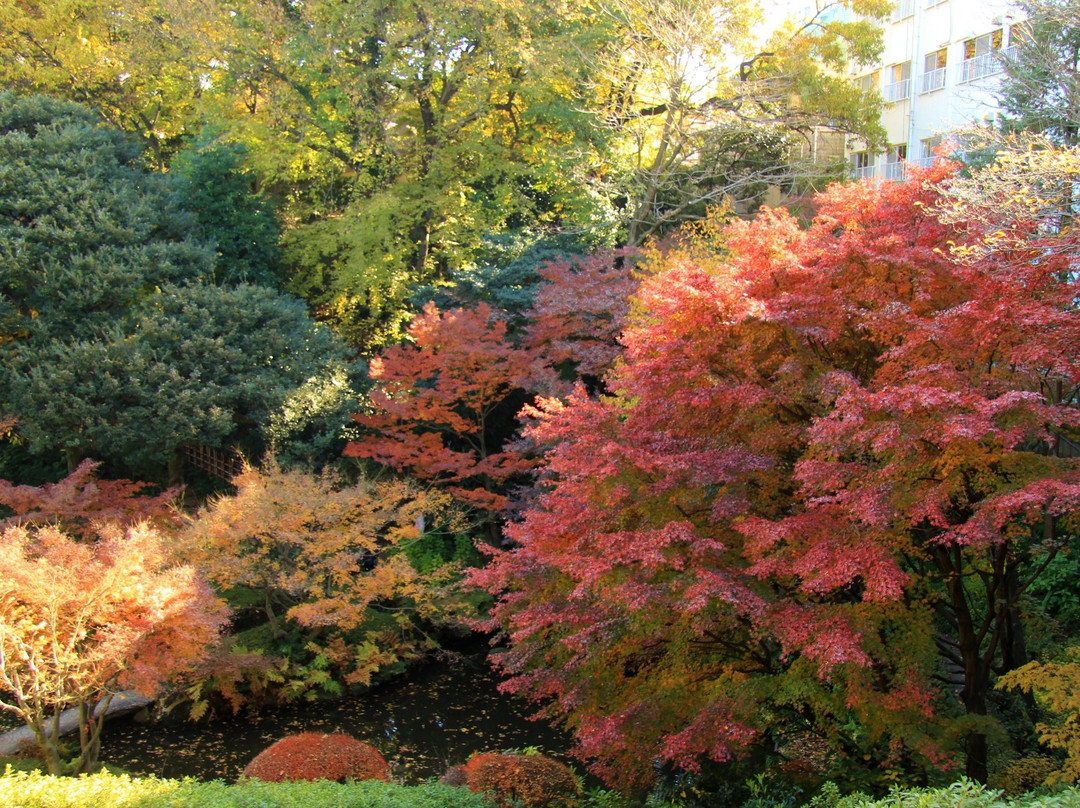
1056 685
81 621
530 780
580 311
320 552
436 408
82 503
315 756
828 448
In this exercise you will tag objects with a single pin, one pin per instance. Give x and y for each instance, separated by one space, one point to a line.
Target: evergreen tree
114 342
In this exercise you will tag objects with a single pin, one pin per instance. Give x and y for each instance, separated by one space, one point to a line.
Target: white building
939 70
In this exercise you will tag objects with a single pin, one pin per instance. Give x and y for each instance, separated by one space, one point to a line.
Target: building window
904 8
897 82
932 3
928 146
895 159
981 56
867 83
933 77
864 164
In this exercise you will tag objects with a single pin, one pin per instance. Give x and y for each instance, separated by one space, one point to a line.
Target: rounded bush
531 781
314 756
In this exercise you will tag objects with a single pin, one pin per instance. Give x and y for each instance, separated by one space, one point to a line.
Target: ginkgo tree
830 465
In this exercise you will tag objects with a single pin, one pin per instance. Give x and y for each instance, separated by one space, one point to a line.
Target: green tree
399 133
692 131
215 183
85 233
113 342
198 365
115 56
1041 86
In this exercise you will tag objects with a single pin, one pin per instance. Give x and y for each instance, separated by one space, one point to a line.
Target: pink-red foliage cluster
580 311
815 439
435 401
82 503
315 756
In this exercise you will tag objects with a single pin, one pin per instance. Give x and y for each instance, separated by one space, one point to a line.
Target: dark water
434 718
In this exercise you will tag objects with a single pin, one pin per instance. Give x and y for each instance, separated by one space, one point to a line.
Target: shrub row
961 794
104 790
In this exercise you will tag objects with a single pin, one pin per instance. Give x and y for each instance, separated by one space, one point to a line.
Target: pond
431 719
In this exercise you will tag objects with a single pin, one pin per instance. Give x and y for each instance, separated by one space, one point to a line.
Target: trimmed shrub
530 781
104 790
314 756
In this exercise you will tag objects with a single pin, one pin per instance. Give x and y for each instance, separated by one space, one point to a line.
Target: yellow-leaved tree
1056 687
333 567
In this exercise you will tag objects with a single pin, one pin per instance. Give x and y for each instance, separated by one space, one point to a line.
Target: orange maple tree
81 621
441 404
321 552
82 502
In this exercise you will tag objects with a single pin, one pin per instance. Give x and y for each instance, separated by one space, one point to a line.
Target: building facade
939 70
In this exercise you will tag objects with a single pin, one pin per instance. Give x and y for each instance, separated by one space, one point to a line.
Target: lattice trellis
221 463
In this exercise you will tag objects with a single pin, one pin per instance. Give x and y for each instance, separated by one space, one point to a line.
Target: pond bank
430 719
15 741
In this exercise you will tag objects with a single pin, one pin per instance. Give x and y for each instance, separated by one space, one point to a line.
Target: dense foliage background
468 317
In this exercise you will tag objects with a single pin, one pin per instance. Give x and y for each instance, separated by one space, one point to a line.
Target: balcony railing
861 172
895 170
985 65
934 80
897 91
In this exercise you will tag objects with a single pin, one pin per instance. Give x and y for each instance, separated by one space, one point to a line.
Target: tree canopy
831 458
116 342
396 139
79 620
1041 87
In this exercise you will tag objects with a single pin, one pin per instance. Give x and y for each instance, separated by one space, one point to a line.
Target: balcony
895 170
897 91
862 172
933 80
985 65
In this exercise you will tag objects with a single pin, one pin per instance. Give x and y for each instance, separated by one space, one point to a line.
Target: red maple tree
439 401
580 311
828 451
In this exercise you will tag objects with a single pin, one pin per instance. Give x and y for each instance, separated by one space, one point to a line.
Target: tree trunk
974 697
175 470
976 673
73 456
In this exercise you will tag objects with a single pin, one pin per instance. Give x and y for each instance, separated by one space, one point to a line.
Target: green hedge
962 794
104 790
